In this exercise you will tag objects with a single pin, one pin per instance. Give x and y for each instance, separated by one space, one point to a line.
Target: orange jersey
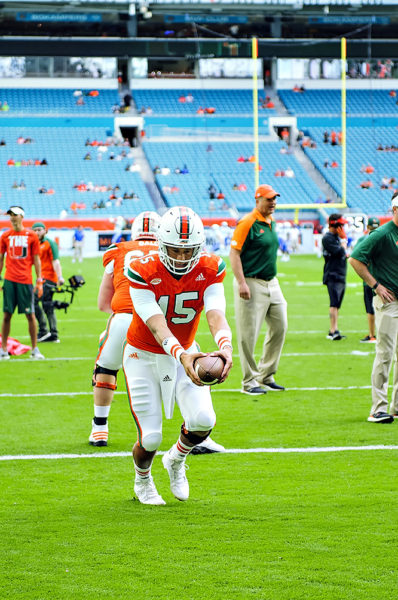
20 247
48 253
116 259
181 300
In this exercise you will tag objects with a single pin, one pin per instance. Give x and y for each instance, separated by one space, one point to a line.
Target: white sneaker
98 435
4 355
37 355
146 491
208 446
178 480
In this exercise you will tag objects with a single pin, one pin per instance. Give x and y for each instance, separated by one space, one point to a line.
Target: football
209 369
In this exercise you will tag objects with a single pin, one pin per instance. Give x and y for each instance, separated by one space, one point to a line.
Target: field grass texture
305 509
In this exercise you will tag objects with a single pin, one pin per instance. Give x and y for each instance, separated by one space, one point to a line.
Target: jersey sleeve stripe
135 277
221 267
111 247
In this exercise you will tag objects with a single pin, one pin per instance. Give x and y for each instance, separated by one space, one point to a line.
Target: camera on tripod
68 291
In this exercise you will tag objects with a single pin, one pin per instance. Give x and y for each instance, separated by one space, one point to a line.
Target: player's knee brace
192 437
103 384
151 441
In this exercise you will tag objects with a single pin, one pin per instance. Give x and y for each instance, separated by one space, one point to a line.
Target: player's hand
38 289
226 354
61 281
244 291
187 361
385 294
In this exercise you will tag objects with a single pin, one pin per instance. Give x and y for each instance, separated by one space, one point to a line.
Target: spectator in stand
189 98
289 172
210 110
340 137
200 111
334 164
270 104
5 106
325 137
366 185
220 195
212 191
181 99
326 164
285 135
333 138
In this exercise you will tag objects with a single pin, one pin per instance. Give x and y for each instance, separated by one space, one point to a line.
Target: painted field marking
216 391
287 355
308 450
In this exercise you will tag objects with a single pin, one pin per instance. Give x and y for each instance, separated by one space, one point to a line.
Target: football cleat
208 446
146 491
99 435
4 355
178 480
36 354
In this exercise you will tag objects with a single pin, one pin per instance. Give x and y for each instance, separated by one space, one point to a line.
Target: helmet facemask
180 228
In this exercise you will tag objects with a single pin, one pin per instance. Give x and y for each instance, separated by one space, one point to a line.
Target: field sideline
301 507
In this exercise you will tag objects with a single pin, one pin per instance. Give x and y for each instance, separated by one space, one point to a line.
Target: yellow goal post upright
312 206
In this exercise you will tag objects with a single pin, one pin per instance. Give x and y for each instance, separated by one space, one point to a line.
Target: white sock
180 450
142 473
101 411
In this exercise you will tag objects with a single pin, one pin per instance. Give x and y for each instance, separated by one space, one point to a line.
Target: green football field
301 506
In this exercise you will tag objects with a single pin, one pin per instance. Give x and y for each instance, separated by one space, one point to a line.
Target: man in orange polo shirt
52 277
20 247
258 296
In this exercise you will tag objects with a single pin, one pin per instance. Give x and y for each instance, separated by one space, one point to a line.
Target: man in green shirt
258 296
376 262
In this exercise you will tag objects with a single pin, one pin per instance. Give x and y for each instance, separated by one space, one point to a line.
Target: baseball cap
336 220
265 191
394 201
16 210
38 225
373 223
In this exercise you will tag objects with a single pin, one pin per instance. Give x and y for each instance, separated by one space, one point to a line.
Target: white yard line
214 390
287 355
308 450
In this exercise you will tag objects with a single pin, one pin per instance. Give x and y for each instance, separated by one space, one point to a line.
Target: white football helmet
180 227
145 226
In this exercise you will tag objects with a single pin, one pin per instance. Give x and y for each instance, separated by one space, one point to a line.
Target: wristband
173 347
39 280
223 339
375 285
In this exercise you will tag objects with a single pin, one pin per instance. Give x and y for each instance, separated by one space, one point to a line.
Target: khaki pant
386 349
268 304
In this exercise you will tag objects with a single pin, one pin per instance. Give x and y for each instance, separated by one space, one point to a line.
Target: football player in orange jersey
169 290
114 298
